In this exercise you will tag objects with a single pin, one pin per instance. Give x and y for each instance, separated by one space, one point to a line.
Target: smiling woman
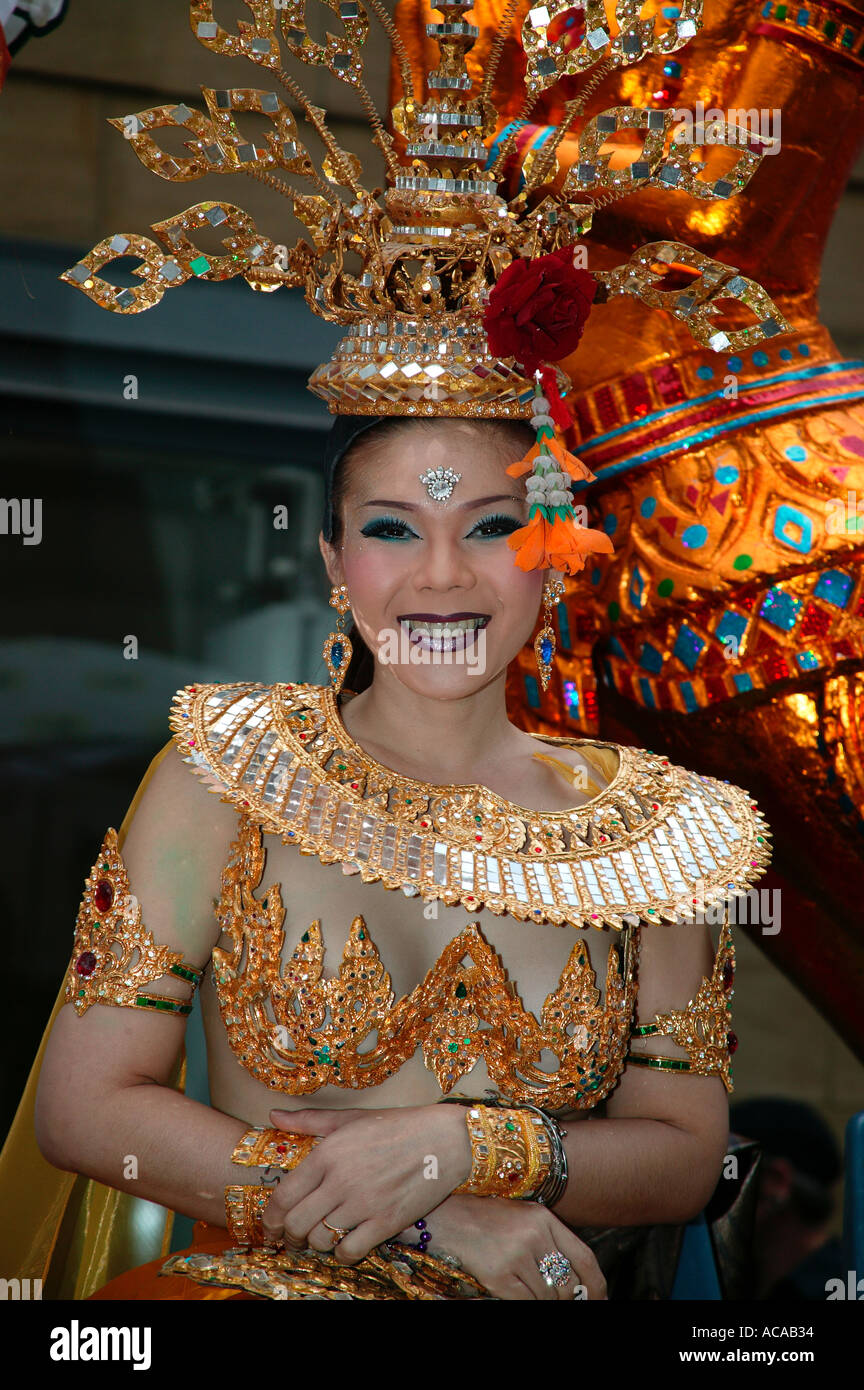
522 920
356 441
457 988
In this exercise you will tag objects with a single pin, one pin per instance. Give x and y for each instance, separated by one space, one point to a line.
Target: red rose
537 309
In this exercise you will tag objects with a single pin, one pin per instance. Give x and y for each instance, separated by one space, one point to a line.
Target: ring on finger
339 1232
555 1268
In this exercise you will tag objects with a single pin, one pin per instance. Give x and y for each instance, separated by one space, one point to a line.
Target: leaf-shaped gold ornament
627 41
283 148
682 172
592 170
696 305
178 168
257 41
159 272
341 53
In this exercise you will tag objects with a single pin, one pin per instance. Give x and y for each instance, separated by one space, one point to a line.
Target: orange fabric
146 1283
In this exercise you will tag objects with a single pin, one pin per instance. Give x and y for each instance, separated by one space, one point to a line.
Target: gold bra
296 1032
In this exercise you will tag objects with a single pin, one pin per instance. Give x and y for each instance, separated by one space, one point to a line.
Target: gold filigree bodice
296 1031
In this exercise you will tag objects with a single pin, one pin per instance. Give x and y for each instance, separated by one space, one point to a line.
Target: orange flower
529 542
569 544
560 544
569 462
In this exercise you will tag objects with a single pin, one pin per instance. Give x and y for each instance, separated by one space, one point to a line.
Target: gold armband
703 1029
114 956
273 1148
510 1152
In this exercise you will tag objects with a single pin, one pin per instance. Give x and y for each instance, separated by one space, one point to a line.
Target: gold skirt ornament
210 1269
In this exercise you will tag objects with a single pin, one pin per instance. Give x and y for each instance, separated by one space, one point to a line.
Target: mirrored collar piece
658 844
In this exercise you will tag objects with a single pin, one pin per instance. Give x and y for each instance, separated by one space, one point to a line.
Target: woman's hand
374 1173
500 1242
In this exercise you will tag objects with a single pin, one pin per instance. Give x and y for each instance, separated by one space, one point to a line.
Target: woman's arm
658 1153
105 1105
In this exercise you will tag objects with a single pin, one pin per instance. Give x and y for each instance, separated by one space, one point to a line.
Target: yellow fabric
603 760
69 1231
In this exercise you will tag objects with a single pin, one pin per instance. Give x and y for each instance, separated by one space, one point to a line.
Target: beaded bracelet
425 1234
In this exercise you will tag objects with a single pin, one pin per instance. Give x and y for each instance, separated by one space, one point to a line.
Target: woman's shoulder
228 734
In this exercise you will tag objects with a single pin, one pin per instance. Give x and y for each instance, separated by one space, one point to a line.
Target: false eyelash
378 524
498 516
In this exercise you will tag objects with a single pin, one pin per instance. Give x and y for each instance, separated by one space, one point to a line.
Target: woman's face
434 587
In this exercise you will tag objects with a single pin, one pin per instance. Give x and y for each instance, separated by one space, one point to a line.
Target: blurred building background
158 510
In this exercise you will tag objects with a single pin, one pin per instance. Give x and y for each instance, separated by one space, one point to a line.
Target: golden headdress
455 299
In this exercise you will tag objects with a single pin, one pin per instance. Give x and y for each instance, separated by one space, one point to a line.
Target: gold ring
340 1232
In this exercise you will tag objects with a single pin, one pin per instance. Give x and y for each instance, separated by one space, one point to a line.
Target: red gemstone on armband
86 963
728 974
731 1043
103 896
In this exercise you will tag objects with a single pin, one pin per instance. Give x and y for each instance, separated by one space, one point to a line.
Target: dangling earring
544 642
337 650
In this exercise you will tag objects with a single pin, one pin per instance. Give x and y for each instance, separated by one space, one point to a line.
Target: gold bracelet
273 1148
243 1208
510 1153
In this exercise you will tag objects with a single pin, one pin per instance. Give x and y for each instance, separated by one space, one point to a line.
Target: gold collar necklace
658 844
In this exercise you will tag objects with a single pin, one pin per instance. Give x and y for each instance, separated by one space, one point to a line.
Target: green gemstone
614 611
305 936
829 29
460 991
362 935
665 587
467 1042
452 1047
780 12
510 1125
742 562
199 265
